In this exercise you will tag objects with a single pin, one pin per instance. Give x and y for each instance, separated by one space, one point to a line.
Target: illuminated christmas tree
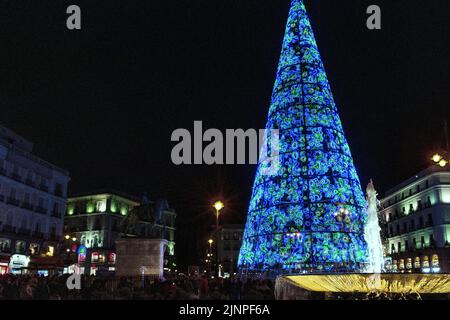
311 214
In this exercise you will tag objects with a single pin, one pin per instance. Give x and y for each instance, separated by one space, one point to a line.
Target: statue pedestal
140 257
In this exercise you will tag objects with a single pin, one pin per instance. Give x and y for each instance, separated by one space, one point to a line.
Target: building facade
32 204
95 221
230 240
416 217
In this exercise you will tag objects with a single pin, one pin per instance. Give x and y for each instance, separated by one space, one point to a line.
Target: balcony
58 193
41 210
23 232
30 183
16 177
38 235
54 237
56 214
27 205
8 228
13 201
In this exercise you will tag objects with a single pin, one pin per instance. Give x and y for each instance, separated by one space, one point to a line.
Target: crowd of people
33 287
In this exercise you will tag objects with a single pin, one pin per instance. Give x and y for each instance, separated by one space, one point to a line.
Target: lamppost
218 205
210 255
440 160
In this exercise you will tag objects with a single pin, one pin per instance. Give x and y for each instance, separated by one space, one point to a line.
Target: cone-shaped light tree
310 215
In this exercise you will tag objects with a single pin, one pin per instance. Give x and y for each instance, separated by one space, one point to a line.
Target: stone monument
140 257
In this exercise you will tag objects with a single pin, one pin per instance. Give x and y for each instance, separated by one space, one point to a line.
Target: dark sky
102 102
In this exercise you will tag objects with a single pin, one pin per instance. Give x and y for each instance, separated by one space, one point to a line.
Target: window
56 211
414 243
5 245
418 188
435 260
404 227
399 247
398 228
422 241
59 189
409 263
430 220
428 201
421 222
425 262
406 245
413 224
101 206
20 247
26 198
417 263
419 205
427 184
411 208
392 248
50 251
431 240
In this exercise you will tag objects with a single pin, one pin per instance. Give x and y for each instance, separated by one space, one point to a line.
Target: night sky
102 102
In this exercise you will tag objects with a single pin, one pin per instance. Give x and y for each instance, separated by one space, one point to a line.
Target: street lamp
218 205
439 160
67 237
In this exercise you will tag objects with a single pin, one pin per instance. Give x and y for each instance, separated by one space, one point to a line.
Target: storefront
4 264
46 266
18 264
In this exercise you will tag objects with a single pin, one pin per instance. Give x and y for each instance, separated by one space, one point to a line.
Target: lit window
417 263
435 260
101 206
425 262
50 251
409 263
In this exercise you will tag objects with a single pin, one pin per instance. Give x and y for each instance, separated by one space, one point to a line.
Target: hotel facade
416 223
32 205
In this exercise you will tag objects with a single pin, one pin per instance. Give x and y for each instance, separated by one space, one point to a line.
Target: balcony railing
56 214
30 183
9 228
16 177
27 205
13 201
41 210
38 234
23 232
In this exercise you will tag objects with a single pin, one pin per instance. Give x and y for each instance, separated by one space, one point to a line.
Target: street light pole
218 205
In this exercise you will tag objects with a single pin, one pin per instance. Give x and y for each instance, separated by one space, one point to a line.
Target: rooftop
422 174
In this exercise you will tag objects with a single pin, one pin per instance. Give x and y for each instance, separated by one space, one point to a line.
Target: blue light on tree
311 214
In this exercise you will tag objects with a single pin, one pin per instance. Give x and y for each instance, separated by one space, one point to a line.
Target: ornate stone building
96 220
